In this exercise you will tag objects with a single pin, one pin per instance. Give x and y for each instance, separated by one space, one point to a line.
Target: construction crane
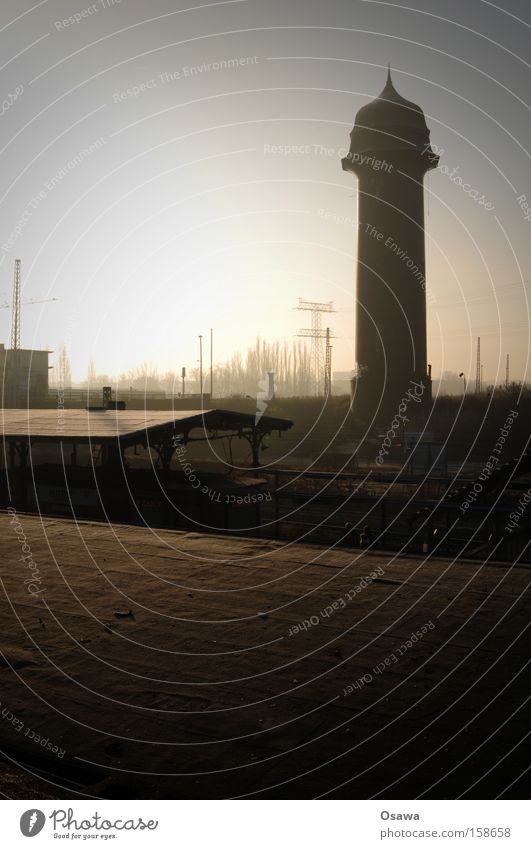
15 322
17 303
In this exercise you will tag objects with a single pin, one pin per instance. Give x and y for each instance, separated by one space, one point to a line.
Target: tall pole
507 373
478 367
211 370
201 369
328 365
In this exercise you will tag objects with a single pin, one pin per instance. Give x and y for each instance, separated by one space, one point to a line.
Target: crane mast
15 320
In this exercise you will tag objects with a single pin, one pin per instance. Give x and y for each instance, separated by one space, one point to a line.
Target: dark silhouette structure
24 374
390 153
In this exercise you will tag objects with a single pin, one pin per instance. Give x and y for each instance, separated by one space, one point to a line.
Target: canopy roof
127 426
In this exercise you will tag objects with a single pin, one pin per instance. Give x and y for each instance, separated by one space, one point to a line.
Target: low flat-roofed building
24 375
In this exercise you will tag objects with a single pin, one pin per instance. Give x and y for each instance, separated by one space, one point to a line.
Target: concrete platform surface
157 664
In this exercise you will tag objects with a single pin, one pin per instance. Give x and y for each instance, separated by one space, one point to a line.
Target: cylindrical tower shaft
390 153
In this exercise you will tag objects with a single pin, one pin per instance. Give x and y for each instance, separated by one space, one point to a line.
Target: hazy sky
139 187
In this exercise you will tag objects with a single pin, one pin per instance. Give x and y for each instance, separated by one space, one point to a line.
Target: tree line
290 362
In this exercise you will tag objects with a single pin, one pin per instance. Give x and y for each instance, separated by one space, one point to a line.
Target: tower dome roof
390 122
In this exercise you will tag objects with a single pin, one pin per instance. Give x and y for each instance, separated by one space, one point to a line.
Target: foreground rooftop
100 425
177 665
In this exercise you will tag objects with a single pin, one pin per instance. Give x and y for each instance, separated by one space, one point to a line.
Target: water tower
390 153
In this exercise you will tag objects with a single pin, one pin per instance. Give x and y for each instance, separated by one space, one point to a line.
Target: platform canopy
126 428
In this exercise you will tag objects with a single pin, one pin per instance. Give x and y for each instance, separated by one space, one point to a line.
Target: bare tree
64 372
91 374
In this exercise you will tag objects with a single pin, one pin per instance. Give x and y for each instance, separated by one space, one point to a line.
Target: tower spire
389 87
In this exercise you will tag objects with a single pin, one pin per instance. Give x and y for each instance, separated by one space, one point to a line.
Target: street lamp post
201 369
211 361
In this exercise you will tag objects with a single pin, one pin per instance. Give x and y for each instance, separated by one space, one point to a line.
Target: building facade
24 374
